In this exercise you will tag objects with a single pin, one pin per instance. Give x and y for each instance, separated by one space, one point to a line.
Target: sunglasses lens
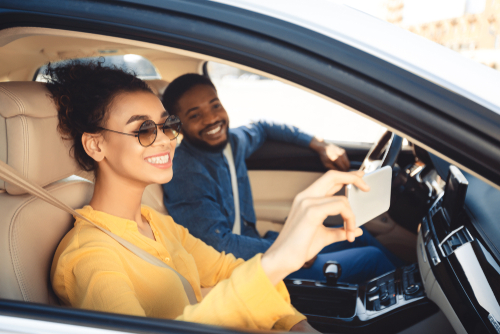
147 133
172 127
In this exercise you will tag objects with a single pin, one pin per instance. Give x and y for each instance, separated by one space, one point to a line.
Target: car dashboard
456 273
457 259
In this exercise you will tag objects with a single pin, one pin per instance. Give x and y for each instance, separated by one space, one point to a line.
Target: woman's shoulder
84 236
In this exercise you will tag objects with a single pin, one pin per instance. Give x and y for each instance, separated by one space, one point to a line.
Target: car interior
405 301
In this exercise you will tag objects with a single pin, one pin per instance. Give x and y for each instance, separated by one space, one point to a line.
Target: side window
250 97
139 65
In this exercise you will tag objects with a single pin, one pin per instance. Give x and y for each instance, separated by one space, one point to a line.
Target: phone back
368 205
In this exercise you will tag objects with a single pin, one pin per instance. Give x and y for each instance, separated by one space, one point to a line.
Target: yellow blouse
92 271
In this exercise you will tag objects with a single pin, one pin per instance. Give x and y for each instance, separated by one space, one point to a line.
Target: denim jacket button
217 231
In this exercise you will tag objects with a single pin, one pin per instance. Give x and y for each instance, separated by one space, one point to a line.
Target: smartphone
368 205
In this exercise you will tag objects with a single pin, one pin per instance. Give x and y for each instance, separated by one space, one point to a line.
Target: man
200 195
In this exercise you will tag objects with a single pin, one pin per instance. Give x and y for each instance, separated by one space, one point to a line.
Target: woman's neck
118 196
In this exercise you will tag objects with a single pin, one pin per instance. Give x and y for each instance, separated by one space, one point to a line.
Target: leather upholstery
31 143
31 229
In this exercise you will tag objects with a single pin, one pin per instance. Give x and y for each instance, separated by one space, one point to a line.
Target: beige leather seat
157 86
31 229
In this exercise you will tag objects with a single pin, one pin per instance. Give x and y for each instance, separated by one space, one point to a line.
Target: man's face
204 120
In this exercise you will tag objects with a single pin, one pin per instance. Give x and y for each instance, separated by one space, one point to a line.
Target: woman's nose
162 138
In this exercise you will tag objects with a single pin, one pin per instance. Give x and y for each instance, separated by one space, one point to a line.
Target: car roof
415 54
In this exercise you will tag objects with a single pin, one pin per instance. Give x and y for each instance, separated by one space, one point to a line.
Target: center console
396 297
392 290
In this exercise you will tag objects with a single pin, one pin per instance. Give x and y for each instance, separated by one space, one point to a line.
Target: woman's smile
161 160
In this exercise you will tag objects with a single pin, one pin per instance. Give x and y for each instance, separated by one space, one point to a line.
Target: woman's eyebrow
145 117
137 118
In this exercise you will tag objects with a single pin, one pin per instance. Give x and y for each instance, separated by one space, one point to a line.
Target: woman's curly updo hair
83 93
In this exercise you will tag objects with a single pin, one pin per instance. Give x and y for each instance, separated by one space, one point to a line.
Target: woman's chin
167 177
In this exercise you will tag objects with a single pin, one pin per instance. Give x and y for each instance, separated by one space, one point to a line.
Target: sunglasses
148 130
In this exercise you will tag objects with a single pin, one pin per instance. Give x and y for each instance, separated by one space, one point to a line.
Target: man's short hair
177 88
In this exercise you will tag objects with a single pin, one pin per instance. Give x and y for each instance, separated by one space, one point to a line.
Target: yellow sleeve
286 323
212 265
103 285
247 299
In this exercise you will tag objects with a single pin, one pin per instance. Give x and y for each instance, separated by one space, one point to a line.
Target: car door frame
428 114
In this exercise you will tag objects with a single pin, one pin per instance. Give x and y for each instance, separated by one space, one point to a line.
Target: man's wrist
316 144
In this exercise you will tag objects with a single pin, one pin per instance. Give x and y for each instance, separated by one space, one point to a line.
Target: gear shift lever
332 271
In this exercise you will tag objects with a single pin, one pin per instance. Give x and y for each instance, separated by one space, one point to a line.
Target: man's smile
213 131
217 129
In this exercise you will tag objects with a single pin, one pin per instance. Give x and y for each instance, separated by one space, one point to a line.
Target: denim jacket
200 195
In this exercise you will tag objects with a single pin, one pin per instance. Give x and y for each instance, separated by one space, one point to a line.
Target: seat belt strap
10 175
228 153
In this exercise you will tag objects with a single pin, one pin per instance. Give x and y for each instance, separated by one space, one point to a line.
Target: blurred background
470 27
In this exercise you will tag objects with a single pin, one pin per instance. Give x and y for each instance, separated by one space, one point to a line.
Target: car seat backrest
31 229
158 86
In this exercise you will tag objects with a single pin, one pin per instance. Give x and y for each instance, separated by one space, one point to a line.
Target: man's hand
303 326
332 156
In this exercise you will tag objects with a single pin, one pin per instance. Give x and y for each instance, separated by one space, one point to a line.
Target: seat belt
228 153
10 175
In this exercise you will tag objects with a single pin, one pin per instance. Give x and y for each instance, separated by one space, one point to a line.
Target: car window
251 97
139 65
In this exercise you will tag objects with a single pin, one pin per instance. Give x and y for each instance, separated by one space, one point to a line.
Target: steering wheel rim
384 152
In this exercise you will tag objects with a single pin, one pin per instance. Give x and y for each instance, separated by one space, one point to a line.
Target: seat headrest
157 86
29 140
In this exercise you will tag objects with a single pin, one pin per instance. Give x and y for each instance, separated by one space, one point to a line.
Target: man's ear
92 144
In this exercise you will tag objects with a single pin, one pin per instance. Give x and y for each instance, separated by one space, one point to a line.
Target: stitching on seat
17 100
13 248
24 123
16 263
7 156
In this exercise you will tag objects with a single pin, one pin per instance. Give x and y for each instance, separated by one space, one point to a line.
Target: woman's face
124 157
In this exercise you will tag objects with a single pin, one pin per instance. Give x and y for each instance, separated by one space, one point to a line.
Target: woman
112 119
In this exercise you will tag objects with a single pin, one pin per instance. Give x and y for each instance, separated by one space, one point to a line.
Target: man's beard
203 145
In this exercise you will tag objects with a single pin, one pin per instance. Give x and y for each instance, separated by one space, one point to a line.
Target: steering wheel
383 153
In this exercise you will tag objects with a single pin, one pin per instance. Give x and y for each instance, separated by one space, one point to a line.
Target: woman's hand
304 235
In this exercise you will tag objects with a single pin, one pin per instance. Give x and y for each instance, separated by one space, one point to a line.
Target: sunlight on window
250 97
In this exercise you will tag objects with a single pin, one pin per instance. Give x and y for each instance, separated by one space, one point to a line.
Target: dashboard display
454 194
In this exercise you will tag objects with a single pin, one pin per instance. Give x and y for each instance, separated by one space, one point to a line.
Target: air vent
454 240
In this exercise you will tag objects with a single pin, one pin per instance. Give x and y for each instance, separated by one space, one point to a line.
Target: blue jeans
361 260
